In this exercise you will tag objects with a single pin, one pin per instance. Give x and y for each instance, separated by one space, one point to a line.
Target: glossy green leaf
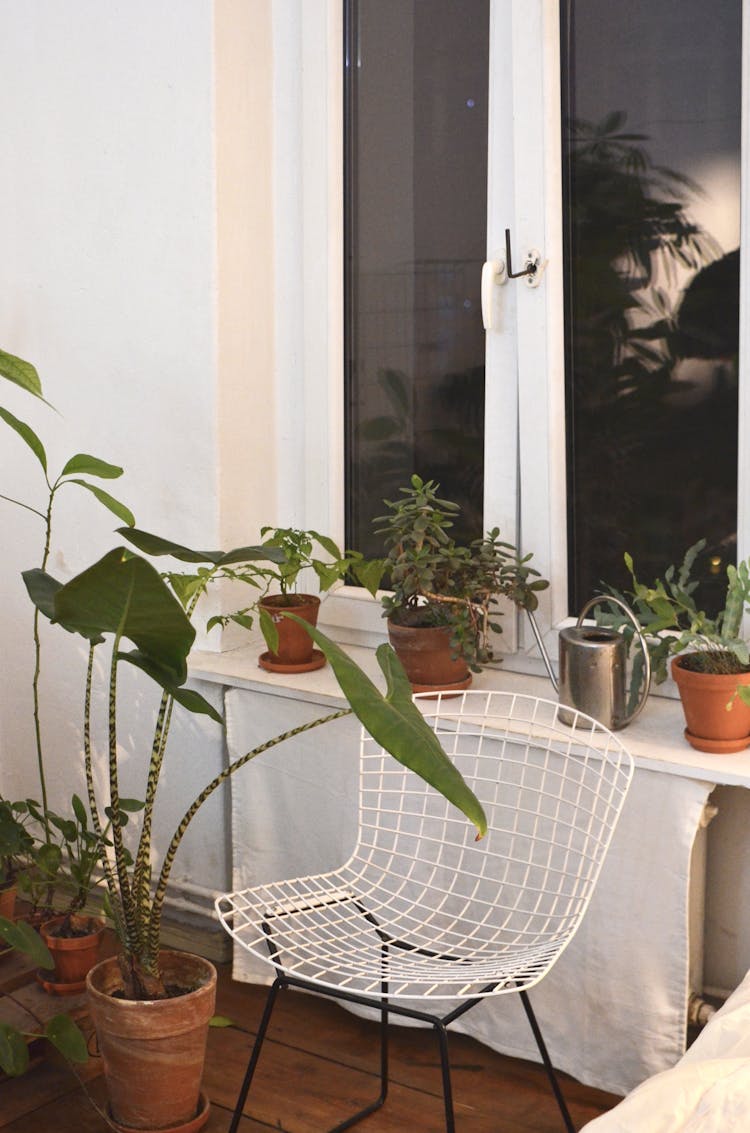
395 722
122 592
221 1021
63 1033
42 589
21 373
187 697
155 545
119 509
21 936
84 465
14 1053
27 434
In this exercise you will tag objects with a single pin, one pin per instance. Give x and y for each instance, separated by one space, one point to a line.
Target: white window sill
655 739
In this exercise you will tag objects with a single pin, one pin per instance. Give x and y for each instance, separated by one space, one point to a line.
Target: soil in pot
295 652
75 944
425 653
153 1050
711 726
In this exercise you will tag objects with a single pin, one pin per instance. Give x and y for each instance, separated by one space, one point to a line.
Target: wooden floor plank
319 1065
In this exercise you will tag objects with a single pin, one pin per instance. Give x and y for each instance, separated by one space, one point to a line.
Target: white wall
121 125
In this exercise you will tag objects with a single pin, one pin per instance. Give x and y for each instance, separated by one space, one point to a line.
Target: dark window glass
651 101
416 207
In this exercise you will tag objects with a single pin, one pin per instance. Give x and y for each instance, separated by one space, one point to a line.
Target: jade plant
434 581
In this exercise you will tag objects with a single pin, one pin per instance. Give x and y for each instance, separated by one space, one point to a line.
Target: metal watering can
593 668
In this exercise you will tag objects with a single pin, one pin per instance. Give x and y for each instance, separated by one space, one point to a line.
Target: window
523 411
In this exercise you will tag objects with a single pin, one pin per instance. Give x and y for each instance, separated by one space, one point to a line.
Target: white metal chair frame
421 911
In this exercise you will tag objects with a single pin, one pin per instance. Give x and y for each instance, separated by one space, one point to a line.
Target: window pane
416 200
651 95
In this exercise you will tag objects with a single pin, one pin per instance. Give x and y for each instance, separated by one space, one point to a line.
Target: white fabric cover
708 1091
612 1011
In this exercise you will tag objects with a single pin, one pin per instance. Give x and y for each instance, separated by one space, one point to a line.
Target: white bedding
708 1091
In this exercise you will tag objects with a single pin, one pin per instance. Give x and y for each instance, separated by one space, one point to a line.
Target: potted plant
291 649
710 660
123 598
442 599
16 844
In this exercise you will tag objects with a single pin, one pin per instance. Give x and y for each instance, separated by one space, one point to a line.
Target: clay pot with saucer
717 719
75 945
295 652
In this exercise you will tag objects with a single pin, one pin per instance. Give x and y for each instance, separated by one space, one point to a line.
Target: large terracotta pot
425 653
153 1050
74 956
295 653
705 696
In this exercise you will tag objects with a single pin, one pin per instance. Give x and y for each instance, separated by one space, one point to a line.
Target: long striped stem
152 943
142 870
109 876
132 933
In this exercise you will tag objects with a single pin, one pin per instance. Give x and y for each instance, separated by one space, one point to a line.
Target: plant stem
152 943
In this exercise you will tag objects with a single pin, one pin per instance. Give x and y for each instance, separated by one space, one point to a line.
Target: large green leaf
23 938
14 1054
42 588
21 373
63 1033
27 434
115 506
84 465
187 697
155 545
395 722
122 592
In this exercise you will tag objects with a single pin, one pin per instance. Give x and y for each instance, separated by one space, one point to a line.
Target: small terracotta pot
153 1050
8 901
74 956
425 653
710 725
295 652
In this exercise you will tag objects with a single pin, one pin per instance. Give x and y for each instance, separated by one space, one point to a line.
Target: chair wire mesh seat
422 912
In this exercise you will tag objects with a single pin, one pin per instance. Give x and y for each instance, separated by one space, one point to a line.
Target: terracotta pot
153 1050
74 956
295 652
8 901
705 696
425 653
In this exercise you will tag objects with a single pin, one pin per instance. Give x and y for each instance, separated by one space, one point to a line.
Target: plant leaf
14 1054
42 588
24 938
221 1021
155 545
83 464
395 722
120 510
124 592
21 373
187 697
27 434
63 1033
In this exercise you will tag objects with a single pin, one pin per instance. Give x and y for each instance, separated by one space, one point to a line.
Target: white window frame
308 202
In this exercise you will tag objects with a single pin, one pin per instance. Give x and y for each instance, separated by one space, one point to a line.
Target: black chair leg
445 1067
570 1127
277 985
255 1054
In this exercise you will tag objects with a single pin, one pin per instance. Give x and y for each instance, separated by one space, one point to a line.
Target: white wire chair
423 912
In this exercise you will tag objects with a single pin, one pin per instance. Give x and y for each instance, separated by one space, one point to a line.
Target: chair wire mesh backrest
552 794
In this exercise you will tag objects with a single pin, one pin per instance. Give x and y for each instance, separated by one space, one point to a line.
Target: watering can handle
598 600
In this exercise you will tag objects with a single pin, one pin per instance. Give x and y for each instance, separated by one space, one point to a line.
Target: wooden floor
318 1066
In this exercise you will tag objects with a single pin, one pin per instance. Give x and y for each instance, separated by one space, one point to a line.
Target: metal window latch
533 268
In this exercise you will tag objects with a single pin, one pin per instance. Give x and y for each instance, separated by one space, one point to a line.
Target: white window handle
493 271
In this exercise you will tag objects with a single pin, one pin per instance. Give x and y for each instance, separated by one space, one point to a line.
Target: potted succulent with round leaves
290 647
710 659
441 607
123 598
